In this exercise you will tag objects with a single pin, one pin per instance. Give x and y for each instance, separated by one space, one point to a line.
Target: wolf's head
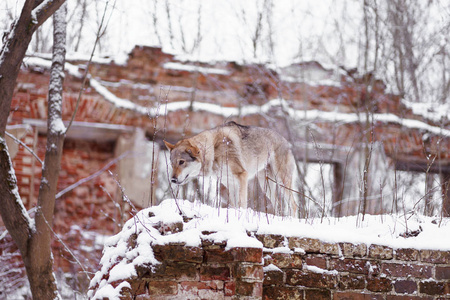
185 160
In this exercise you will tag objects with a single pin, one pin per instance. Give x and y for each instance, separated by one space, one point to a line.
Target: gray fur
237 153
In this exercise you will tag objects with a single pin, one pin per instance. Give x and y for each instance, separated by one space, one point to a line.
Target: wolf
235 154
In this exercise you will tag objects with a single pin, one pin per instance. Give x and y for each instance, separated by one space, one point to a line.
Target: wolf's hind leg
243 188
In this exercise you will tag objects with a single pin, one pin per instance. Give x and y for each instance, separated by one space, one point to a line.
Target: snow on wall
193 68
304 115
188 224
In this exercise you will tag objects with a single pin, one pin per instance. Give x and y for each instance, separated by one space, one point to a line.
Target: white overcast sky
301 30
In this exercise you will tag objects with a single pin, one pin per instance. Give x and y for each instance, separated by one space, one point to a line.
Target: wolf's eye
181 162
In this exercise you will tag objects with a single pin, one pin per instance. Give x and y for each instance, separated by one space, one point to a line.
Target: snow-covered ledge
190 250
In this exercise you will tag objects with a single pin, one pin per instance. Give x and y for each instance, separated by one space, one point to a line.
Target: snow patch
194 68
107 291
436 112
271 267
57 126
118 102
318 270
282 250
121 271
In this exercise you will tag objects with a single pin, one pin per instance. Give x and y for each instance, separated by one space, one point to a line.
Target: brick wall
306 269
207 272
348 271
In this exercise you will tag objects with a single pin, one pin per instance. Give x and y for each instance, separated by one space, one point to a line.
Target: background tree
33 235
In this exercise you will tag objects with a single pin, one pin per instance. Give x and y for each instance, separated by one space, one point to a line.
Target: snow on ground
232 226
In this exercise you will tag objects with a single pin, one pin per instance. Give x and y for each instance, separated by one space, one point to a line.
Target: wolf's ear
193 150
169 146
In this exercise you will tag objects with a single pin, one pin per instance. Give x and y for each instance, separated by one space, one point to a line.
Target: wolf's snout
174 180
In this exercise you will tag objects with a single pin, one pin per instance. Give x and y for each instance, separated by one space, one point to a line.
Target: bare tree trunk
32 238
39 264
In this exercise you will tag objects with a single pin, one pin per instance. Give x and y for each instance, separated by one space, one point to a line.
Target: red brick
317 294
405 270
409 297
182 270
308 244
138 287
273 277
282 293
310 279
353 250
195 286
230 288
443 273
178 253
146 271
218 256
162 288
317 260
214 273
253 255
248 272
329 248
407 254
270 240
379 284
352 282
380 252
434 287
284 260
191 286
357 266
405 286
435 256
356 296
253 289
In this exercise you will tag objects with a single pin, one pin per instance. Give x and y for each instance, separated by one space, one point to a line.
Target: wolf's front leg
230 182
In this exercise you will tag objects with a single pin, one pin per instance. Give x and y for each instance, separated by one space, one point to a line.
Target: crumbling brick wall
292 268
349 271
206 272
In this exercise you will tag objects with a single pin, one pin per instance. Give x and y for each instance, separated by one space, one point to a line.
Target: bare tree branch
33 14
25 146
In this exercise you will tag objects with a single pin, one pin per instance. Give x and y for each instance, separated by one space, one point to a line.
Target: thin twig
292 190
90 177
86 75
25 146
133 207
